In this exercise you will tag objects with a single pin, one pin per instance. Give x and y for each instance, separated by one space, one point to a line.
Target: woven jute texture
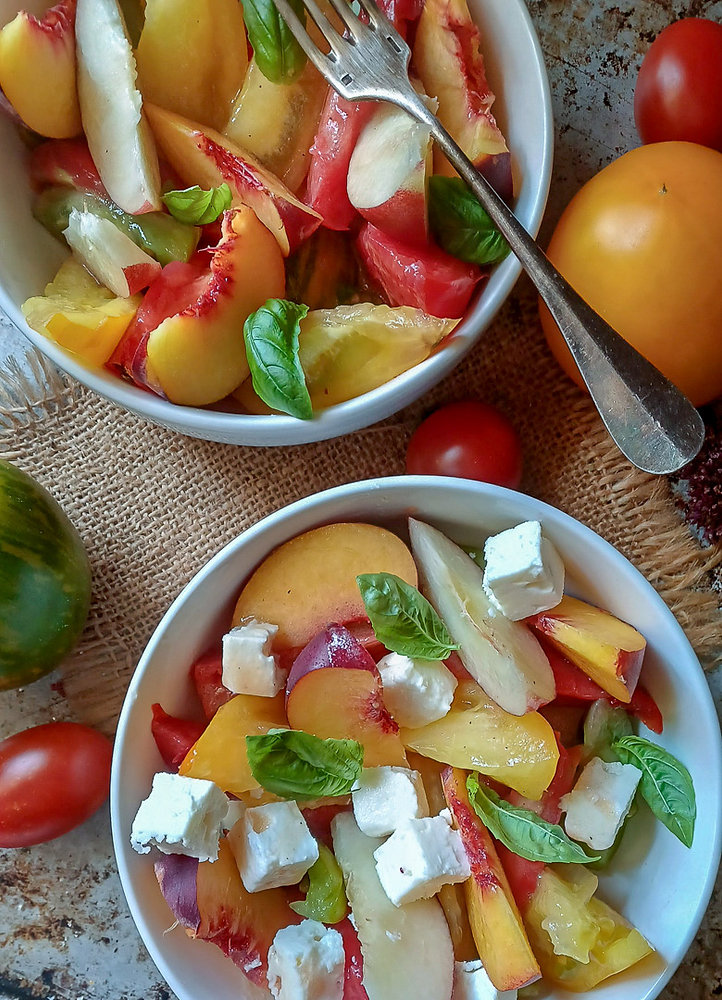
153 506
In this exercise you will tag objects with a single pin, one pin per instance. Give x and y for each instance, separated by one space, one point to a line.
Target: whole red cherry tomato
679 88
52 778
470 439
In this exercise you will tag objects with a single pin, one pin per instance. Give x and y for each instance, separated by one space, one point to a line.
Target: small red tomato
470 439
679 88
52 778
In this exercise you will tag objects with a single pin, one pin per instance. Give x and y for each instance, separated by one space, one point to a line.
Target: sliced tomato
174 737
207 677
66 162
353 987
425 278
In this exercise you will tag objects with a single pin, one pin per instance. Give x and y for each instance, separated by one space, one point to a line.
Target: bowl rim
315 503
361 411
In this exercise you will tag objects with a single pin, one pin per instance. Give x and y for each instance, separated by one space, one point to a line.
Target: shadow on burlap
153 506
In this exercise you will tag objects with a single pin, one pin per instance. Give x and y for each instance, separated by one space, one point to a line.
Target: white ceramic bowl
29 256
659 885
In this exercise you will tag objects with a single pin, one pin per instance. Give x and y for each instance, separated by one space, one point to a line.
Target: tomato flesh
679 88
469 439
52 778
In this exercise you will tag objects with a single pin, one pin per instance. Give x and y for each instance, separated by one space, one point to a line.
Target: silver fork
651 421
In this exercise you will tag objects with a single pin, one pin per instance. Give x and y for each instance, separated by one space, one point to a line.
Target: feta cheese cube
523 572
249 666
235 811
416 692
385 797
420 857
597 805
180 816
471 982
272 846
306 962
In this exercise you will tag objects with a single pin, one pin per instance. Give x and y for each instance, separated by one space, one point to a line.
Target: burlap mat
153 506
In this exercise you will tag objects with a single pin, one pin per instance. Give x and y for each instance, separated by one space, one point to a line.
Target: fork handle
650 420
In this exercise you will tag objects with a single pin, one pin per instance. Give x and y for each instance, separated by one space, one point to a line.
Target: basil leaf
325 899
296 765
603 726
522 831
277 53
666 785
271 334
197 206
460 224
402 618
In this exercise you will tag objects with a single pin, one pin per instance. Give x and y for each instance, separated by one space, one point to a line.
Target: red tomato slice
207 677
67 162
174 737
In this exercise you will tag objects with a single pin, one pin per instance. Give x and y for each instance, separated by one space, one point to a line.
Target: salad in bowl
239 249
417 738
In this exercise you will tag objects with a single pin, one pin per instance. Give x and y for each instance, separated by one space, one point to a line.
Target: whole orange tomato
642 243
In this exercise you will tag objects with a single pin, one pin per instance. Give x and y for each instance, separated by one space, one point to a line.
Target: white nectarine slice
119 139
406 950
205 157
448 59
109 254
334 691
192 57
608 650
495 920
502 655
519 751
310 580
37 70
387 174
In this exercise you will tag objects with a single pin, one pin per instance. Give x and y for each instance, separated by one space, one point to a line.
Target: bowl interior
656 883
29 256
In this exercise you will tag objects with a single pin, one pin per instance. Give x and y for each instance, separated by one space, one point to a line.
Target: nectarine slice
219 754
310 580
494 916
608 650
519 751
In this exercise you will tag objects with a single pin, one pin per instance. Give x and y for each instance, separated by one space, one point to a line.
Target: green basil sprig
666 785
402 618
325 898
197 206
521 830
460 224
277 53
296 765
271 335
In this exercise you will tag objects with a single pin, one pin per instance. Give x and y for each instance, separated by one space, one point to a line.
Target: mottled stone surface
65 933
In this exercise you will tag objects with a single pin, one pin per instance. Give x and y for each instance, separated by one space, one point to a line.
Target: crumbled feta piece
420 857
384 797
306 962
272 846
180 816
235 811
523 572
471 982
598 804
249 666
416 692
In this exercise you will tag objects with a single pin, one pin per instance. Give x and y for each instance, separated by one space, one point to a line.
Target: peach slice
276 122
241 924
279 591
406 950
219 754
608 650
195 355
519 751
203 156
111 107
204 82
448 59
494 916
387 174
37 70
334 691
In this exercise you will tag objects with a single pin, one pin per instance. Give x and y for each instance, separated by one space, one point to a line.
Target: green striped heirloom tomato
44 580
